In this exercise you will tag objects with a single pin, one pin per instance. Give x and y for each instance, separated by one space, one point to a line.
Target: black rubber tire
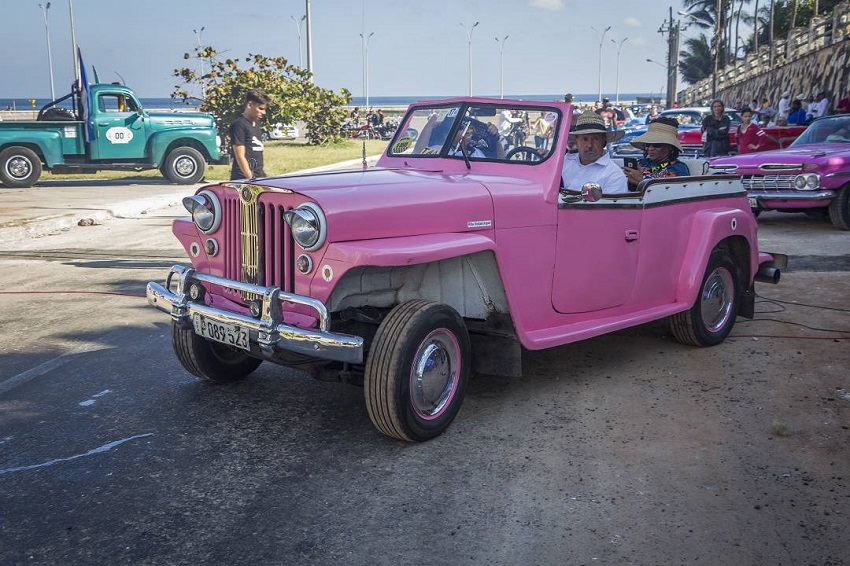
435 336
211 361
20 167
719 296
839 208
184 165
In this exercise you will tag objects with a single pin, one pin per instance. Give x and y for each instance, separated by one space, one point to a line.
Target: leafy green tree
293 95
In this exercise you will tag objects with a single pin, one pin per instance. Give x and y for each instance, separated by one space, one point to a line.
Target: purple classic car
811 175
459 250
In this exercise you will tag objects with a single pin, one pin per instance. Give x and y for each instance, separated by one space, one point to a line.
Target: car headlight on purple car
205 209
308 225
807 181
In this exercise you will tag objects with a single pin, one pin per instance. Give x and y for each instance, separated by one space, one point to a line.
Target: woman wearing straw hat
591 163
660 153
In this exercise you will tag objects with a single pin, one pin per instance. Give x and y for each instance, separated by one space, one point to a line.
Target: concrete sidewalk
53 206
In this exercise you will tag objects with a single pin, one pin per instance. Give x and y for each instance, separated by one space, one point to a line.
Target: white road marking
106 447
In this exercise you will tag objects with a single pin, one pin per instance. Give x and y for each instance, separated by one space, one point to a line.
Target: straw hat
662 130
590 122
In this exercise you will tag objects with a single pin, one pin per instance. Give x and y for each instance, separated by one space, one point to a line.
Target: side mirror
591 192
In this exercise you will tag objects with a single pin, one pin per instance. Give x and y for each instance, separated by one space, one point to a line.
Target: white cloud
633 22
553 5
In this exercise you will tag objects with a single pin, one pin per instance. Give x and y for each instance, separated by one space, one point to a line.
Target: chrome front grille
258 245
768 182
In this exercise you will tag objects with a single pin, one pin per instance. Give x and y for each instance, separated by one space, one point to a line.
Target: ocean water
374 101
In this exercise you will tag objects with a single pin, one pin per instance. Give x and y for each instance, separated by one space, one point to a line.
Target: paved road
627 449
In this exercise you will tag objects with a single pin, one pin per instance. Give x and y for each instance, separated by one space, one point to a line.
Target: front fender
160 142
708 229
392 252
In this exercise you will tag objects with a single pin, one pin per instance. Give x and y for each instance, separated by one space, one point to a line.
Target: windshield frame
462 118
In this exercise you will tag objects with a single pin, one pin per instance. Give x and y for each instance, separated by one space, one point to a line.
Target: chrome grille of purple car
258 245
768 182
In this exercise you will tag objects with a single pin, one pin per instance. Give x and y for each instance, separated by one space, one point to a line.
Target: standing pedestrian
246 137
715 128
784 108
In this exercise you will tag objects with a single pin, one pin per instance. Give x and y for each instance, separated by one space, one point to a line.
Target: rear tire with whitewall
711 318
20 167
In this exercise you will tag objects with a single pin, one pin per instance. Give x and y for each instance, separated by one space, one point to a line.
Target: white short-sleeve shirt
603 171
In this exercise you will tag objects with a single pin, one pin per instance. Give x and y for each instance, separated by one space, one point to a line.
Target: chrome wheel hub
717 299
435 373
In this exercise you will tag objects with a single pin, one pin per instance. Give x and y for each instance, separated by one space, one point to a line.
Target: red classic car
690 131
811 175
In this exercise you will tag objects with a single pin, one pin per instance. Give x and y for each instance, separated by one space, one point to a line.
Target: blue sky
418 48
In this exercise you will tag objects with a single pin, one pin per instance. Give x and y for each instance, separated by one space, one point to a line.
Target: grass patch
280 157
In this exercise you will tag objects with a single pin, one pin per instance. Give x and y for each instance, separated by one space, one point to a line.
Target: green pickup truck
105 127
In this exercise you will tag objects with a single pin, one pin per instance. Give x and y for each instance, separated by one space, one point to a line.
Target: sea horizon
13 103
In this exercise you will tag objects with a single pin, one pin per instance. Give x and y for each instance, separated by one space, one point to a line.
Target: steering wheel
523 153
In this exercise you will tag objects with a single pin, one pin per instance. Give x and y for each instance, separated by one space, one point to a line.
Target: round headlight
308 225
813 181
205 209
800 181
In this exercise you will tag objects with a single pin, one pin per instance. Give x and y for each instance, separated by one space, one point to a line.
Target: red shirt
753 136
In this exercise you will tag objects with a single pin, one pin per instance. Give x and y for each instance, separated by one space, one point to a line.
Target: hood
387 203
167 120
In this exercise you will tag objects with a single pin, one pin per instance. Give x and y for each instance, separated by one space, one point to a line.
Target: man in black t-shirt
246 137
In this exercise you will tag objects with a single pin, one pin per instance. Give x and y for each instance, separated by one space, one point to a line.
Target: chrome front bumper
268 332
791 195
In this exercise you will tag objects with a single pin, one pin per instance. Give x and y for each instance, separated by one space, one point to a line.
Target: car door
119 126
597 251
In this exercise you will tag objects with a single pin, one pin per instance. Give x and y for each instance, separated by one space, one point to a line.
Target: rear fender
730 229
46 143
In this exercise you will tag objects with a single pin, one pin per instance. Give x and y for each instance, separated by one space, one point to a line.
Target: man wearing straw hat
592 164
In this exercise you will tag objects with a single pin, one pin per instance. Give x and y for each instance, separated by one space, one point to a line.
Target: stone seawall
813 59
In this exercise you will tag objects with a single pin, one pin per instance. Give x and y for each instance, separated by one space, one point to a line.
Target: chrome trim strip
273 333
791 195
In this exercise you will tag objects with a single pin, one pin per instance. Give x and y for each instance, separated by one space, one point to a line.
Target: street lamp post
501 43
298 31
366 66
198 33
309 41
601 41
469 45
619 45
668 76
74 56
44 9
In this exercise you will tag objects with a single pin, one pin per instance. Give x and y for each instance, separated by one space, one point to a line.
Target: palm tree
695 61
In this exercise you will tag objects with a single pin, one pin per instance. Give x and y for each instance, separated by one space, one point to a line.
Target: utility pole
469 45
309 42
501 43
601 40
198 33
672 28
74 56
44 9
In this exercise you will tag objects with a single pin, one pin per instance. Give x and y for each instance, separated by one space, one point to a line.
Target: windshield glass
478 132
829 130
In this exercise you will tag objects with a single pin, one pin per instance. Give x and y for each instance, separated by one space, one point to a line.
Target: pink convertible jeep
458 250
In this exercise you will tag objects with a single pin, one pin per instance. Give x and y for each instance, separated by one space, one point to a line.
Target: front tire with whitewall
417 370
20 167
184 165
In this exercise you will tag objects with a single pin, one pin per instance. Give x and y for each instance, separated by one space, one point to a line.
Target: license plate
223 332
754 202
